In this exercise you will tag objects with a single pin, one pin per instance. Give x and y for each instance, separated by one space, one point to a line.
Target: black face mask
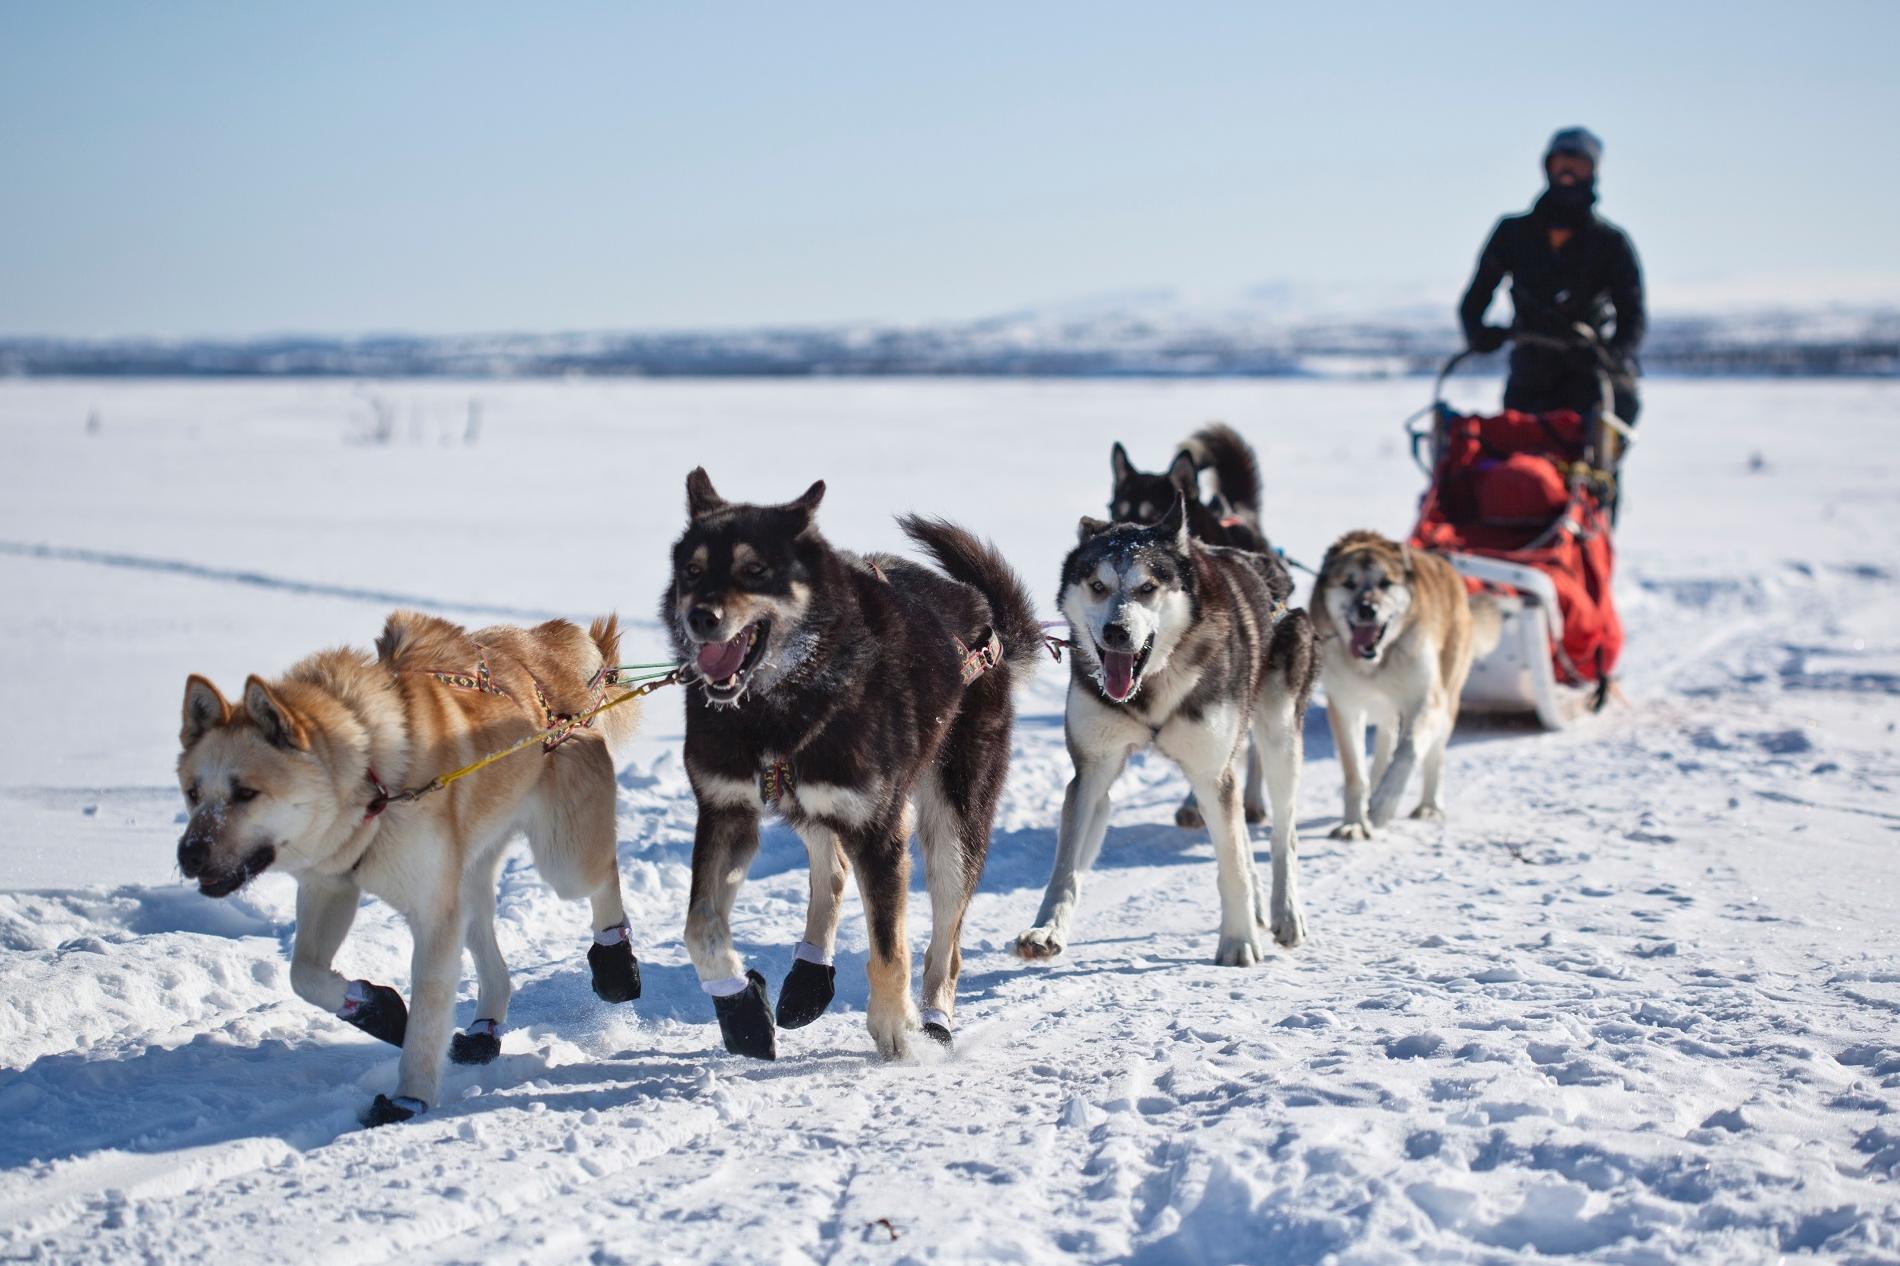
1567 206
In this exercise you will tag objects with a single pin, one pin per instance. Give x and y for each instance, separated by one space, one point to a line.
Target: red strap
379 801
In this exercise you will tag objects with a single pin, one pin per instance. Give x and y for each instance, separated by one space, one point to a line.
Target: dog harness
556 729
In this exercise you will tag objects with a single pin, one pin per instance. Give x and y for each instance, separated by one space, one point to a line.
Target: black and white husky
857 696
1230 517
1186 646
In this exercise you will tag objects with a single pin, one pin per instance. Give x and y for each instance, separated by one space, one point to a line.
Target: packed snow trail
1638 1000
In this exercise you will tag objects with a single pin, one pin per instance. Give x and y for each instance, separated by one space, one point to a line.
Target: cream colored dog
1396 643
298 775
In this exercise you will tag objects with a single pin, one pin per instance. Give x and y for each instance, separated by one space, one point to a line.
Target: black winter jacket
1594 278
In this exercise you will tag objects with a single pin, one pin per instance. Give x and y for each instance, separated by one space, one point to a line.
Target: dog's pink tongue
1364 638
719 660
1118 674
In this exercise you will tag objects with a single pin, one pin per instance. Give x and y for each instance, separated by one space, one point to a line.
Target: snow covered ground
1638 1001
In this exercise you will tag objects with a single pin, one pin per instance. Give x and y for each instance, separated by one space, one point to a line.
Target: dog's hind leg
955 806
572 835
481 1041
1349 740
812 982
880 853
1085 810
1278 724
1255 799
1189 816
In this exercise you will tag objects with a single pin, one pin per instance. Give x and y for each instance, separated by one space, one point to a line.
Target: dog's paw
807 990
745 1021
616 972
938 1034
891 1031
387 1111
1188 817
378 1010
480 1044
1428 813
1039 943
1256 814
1351 831
1238 951
1288 927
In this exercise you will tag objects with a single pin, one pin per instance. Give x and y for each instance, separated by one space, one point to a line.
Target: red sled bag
1514 487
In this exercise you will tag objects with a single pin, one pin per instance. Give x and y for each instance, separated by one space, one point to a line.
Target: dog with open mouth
857 696
1230 517
1189 648
1397 637
298 777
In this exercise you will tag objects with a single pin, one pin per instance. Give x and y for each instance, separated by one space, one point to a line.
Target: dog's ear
701 499
1174 523
1411 562
1119 463
1090 528
1183 475
278 724
205 710
805 507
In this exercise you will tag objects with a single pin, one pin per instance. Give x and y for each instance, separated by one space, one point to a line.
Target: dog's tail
1487 624
616 724
1236 471
977 564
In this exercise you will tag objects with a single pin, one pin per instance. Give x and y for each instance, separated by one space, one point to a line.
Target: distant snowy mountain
1269 329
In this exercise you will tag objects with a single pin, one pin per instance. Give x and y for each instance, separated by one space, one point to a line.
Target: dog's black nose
1116 638
1365 610
193 849
703 621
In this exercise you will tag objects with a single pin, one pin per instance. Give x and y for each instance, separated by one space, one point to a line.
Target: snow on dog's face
254 787
742 584
1367 590
1127 593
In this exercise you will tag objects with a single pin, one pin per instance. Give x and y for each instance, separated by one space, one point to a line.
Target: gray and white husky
1186 646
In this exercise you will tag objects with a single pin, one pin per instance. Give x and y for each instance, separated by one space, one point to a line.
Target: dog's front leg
1219 793
325 910
1348 724
1437 726
1392 780
724 842
812 982
1085 810
434 968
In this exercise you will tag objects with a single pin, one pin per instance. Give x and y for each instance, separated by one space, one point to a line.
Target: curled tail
617 724
1236 471
976 563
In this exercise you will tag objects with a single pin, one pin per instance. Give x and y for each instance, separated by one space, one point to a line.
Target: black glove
1489 338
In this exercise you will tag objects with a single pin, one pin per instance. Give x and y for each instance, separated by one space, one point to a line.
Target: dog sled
1523 504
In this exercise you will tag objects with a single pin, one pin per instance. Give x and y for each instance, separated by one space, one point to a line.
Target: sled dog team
863 698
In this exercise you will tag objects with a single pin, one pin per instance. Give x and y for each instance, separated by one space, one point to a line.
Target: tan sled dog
298 776
1396 642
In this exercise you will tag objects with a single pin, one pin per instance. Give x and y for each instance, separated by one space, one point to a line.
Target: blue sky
190 169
